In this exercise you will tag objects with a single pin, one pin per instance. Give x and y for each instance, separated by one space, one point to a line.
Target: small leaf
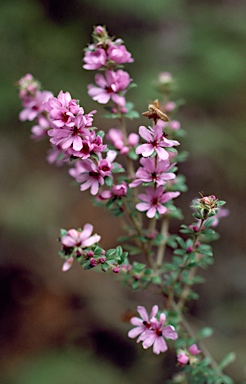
205 332
228 359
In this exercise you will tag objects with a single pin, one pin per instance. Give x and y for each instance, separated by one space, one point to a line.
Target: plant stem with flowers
139 188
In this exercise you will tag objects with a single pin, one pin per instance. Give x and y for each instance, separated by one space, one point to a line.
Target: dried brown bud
155 113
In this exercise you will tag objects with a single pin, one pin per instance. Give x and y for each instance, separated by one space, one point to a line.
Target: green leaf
108 181
205 332
63 232
156 280
228 359
132 114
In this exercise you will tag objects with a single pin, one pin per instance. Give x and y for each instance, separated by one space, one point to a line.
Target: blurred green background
67 328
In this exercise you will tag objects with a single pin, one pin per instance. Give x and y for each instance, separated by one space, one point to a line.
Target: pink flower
153 201
91 175
119 54
151 331
87 174
156 142
63 110
119 189
182 358
94 59
41 128
56 155
153 171
194 350
109 87
115 136
34 105
80 239
67 264
156 333
143 323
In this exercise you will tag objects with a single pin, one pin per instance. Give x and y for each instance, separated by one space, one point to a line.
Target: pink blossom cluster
70 127
155 168
33 99
107 54
151 331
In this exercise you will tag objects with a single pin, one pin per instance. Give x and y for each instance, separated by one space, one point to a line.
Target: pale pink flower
151 331
90 175
57 156
119 54
109 87
87 174
80 239
157 142
34 106
156 335
153 171
153 201
182 358
170 106
194 350
40 130
142 324
94 59
67 264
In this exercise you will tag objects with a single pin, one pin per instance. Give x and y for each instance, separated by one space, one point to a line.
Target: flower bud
182 358
93 261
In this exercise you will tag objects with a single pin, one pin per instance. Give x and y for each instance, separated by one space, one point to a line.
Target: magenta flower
152 171
153 201
156 333
157 142
94 58
91 175
80 239
143 323
69 123
119 54
63 110
109 87
87 174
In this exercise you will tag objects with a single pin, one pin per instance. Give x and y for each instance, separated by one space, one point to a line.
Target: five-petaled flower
153 201
156 142
151 330
110 87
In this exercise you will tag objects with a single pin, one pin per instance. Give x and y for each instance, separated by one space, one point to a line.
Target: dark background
68 328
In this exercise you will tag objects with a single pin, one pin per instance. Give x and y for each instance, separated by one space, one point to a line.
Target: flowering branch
139 188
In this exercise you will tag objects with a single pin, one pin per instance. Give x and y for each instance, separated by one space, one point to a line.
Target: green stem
162 247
